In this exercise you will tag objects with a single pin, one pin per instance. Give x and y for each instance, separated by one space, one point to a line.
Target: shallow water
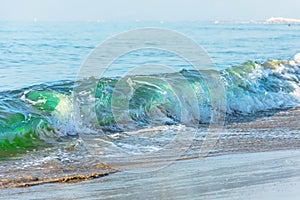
254 158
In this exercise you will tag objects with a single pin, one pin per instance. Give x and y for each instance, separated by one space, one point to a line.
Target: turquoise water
35 53
40 120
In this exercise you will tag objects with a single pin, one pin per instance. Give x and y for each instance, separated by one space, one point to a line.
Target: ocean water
35 53
55 125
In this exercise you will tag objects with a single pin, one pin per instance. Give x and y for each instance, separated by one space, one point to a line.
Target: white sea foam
297 58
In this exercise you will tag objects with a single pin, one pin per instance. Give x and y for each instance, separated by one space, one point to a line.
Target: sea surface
227 133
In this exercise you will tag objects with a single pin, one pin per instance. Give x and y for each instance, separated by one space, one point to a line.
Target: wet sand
262 175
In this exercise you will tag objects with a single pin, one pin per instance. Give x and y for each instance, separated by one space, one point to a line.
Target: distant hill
280 20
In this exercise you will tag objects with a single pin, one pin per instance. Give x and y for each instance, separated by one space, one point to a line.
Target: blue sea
39 52
218 133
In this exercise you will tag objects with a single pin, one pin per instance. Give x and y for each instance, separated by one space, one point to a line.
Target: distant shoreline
280 20
272 20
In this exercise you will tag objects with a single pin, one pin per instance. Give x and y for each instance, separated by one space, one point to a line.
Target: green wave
38 116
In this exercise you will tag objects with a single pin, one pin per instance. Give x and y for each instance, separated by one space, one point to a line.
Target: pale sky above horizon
148 10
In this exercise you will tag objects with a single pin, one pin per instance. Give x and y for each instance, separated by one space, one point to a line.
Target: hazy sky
166 10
